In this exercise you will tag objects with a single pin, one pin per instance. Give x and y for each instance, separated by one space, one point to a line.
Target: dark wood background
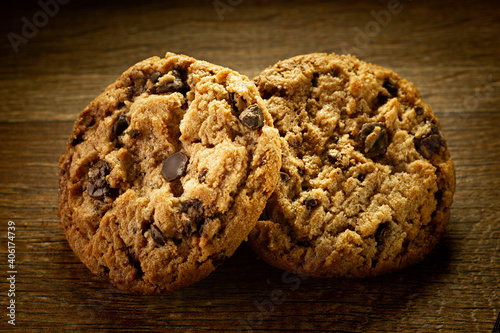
449 49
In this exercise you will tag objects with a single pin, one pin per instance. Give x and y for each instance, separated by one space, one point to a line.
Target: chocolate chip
157 235
284 177
174 166
120 125
419 110
380 100
392 88
310 202
333 156
337 159
193 208
176 85
374 139
77 139
233 101
155 76
383 231
192 216
202 175
252 117
97 186
96 193
429 144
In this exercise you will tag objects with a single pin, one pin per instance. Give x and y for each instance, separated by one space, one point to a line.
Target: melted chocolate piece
252 117
97 186
374 139
193 216
202 175
392 88
429 144
174 166
310 203
284 177
177 85
157 235
120 125
383 231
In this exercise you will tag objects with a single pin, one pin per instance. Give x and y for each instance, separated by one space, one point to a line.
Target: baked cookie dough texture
366 180
327 165
166 173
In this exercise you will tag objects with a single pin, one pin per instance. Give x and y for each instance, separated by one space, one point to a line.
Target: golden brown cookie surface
166 172
366 177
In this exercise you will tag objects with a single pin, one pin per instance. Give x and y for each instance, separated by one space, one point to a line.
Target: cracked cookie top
366 180
166 173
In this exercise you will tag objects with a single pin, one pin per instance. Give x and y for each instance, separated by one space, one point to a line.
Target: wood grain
449 50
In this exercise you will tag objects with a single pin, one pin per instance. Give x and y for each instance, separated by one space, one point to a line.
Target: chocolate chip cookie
166 173
366 180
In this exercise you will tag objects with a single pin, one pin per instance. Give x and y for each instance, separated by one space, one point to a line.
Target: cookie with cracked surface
166 173
366 176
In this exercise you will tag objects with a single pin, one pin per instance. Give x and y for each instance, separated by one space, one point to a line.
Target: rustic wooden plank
29 77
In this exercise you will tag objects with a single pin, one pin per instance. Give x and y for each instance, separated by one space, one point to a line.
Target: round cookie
166 173
366 177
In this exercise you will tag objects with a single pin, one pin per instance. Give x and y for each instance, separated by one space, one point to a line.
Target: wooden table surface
56 58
